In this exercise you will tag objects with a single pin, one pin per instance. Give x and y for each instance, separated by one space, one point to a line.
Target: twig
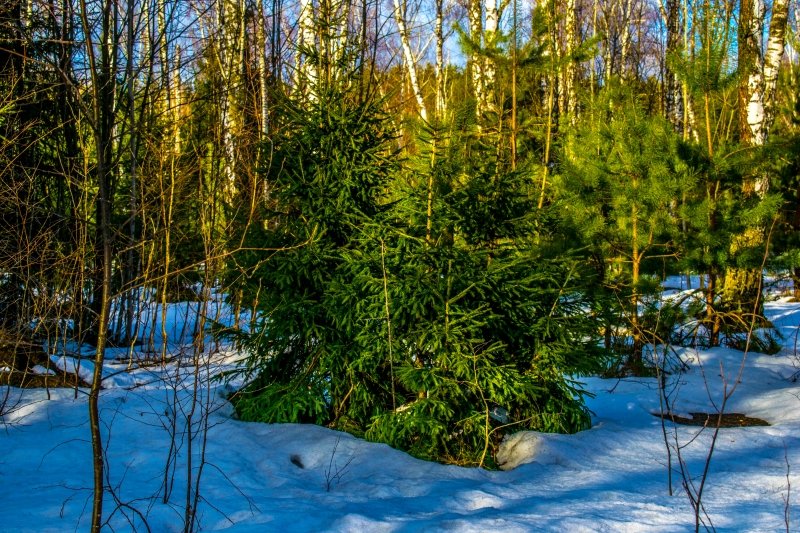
334 473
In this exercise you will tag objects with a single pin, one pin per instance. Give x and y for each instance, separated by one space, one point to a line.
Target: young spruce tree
410 307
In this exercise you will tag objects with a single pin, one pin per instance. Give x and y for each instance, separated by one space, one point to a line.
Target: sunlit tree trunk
609 69
261 189
441 97
759 68
231 30
305 66
475 15
488 101
761 105
101 115
689 119
626 7
569 82
408 56
673 100
339 32
593 60
750 65
263 74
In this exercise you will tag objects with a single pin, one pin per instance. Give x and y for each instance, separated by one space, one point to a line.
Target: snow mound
85 370
530 446
39 369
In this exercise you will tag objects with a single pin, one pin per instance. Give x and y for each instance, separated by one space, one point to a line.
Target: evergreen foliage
430 320
328 174
618 185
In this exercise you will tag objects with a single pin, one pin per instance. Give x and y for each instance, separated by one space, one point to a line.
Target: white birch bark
475 15
672 88
261 57
593 59
570 103
176 100
743 285
489 72
163 54
608 69
755 78
760 108
408 57
230 58
340 12
305 70
625 37
440 66
689 118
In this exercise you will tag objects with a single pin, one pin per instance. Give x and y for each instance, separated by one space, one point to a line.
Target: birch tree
263 74
400 11
440 66
569 104
762 70
475 17
305 64
230 60
759 67
487 102
673 98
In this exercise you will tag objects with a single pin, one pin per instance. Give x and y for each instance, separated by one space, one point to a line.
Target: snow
612 477
39 369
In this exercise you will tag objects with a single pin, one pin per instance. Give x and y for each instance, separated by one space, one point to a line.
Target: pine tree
618 184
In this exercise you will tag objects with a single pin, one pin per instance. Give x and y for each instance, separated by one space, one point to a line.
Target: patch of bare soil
727 420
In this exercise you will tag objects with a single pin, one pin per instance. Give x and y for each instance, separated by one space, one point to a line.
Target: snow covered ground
257 477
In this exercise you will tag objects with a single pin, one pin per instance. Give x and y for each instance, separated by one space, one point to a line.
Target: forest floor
258 477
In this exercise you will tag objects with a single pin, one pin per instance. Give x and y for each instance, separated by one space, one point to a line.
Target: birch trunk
487 103
592 65
408 57
261 56
230 59
673 101
475 15
175 99
570 102
761 105
757 95
751 71
742 288
440 66
165 98
340 13
625 38
689 118
305 67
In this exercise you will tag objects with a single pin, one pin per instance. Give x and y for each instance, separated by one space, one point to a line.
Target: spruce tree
485 327
328 172
425 314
